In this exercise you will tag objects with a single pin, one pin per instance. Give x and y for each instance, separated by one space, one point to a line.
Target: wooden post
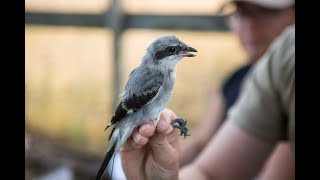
116 21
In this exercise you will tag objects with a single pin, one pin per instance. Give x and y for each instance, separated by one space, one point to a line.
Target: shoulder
282 49
278 64
267 101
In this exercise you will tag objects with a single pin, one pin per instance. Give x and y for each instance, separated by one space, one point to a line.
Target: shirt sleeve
262 109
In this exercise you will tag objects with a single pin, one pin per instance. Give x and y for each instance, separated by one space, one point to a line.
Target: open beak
186 52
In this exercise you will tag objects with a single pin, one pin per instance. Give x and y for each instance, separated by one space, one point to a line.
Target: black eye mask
167 52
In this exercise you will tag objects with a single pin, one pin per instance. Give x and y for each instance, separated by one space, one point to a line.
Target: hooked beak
186 52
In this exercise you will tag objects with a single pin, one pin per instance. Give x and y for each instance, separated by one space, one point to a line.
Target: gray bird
147 92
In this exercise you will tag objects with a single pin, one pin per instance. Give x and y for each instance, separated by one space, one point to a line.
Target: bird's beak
186 52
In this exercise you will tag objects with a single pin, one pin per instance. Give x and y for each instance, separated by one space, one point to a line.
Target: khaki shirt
266 105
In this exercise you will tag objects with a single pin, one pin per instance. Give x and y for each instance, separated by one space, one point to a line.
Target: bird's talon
182 125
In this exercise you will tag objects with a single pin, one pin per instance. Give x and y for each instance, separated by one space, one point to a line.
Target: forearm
192 172
194 144
231 154
280 165
191 148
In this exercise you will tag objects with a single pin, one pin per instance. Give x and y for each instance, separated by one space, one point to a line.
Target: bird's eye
172 49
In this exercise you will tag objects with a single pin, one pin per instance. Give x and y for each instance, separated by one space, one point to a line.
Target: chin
255 54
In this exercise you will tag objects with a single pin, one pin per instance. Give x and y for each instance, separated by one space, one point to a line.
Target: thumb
164 152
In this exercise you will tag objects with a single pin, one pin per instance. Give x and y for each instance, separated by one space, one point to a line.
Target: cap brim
228 7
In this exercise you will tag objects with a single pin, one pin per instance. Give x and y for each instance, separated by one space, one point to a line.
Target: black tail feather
105 162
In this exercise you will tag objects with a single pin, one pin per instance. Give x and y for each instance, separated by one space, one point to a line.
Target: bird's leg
181 124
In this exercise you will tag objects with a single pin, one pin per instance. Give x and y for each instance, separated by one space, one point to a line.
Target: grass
69 78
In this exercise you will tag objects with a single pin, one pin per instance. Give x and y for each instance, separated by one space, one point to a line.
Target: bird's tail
105 162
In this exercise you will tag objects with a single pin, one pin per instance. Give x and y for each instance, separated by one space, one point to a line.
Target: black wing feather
134 103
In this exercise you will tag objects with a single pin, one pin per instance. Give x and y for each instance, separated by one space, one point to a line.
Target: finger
132 156
138 138
164 151
170 134
165 142
164 129
165 120
169 130
130 145
163 125
173 138
147 129
167 113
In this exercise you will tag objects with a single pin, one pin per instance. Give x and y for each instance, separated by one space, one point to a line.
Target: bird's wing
140 93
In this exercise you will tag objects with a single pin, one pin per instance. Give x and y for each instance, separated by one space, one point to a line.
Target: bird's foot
181 124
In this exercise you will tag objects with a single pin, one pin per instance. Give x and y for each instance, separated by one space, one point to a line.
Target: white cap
228 6
272 4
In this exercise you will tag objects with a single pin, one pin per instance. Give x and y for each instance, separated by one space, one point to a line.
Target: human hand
152 152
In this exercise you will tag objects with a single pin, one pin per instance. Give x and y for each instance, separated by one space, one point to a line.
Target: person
263 115
251 22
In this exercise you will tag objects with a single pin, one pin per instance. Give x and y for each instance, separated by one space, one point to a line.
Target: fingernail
137 137
145 126
161 124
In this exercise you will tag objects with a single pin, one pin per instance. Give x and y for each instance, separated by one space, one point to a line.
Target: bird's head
168 50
